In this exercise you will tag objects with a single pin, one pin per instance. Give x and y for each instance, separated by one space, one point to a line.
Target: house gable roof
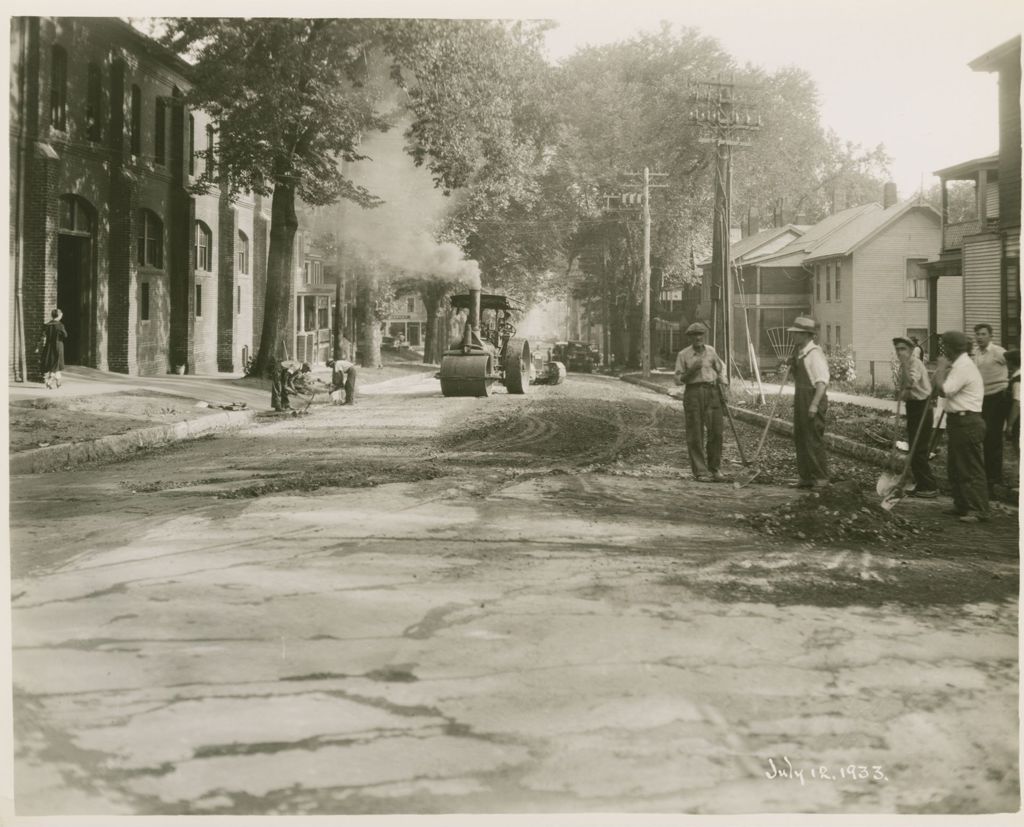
968 169
993 59
794 253
861 230
742 249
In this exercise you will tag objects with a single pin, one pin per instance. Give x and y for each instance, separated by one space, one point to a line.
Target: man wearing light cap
810 404
959 381
700 370
915 390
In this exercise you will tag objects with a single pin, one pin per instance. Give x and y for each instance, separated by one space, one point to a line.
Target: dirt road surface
514 604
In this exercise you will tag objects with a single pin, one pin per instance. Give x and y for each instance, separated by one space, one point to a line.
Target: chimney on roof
753 221
890 195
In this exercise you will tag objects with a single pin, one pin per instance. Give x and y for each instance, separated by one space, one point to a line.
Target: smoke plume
400 232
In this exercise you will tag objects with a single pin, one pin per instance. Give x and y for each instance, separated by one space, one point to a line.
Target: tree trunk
435 339
368 325
633 334
274 344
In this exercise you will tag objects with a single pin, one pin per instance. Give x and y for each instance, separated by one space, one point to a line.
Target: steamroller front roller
518 366
466 374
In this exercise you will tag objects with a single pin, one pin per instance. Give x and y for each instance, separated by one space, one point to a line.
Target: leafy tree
293 96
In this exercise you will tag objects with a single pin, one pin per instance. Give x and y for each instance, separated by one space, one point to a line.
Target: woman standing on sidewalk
54 334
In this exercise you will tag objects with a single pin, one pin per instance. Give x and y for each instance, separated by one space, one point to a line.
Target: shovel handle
771 417
732 424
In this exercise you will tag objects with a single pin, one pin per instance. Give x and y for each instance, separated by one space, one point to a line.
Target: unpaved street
499 605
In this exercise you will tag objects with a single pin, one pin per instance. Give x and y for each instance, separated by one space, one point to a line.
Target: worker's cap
955 339
329 363
803 324
306 367
903 340
696 329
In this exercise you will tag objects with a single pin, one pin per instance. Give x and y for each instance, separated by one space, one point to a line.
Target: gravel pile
836 513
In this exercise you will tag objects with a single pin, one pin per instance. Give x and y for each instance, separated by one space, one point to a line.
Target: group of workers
295 379
978 397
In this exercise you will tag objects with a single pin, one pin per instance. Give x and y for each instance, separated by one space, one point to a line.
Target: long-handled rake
756 470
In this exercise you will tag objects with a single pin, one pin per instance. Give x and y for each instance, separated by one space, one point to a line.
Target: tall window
305 272
199 301
144 301
839 336
136 120
242 253
160 137
828 336
238 299
58 88
191 145
150 248
839 277
210 165
917 284
93 105
410 304
828 282
204 247
817 283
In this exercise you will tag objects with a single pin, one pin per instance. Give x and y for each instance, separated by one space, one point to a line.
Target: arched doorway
75 283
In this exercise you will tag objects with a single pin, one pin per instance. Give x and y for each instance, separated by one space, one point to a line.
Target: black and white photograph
508 409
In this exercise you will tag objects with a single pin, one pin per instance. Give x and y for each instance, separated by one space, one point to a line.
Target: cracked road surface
421 605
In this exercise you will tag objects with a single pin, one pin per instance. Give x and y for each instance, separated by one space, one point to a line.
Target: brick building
102 224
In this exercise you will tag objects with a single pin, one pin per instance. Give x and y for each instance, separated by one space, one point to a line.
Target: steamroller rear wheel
517 366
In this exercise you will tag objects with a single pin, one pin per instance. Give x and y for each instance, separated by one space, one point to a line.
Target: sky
889 71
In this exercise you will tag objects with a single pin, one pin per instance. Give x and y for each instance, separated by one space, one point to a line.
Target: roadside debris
836 513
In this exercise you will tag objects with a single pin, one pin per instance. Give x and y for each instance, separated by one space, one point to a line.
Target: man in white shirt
959 381
991 361
343 379
810 404
700 370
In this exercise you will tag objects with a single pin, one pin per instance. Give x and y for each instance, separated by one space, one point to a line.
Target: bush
842 367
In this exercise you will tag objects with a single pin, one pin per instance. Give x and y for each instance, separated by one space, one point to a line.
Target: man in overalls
810 404
700 370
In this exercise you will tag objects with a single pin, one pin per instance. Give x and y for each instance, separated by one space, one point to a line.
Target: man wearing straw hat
810 404
700 370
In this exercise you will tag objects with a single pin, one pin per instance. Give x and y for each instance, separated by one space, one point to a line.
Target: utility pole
727 119
645 320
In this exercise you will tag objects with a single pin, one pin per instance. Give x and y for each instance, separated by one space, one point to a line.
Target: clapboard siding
878 285
950 304
982 293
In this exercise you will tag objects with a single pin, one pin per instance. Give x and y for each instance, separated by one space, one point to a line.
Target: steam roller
489 350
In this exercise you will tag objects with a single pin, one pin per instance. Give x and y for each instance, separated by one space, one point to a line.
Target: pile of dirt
834 514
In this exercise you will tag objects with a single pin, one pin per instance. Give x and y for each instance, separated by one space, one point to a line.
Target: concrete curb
40 460
840 444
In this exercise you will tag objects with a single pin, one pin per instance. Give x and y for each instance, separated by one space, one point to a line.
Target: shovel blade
745 478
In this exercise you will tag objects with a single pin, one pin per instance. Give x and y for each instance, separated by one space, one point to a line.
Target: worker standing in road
810 404
343 381
991 361
700 370
915 389
958 379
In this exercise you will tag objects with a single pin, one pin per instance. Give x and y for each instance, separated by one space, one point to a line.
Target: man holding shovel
915 389
700 370
810 404
959 381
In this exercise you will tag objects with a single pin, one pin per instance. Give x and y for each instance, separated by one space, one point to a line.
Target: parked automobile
578 357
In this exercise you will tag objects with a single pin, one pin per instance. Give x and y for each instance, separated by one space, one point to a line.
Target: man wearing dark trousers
915 389
283 385
343 379
700 370
958 379
991 361
810 404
